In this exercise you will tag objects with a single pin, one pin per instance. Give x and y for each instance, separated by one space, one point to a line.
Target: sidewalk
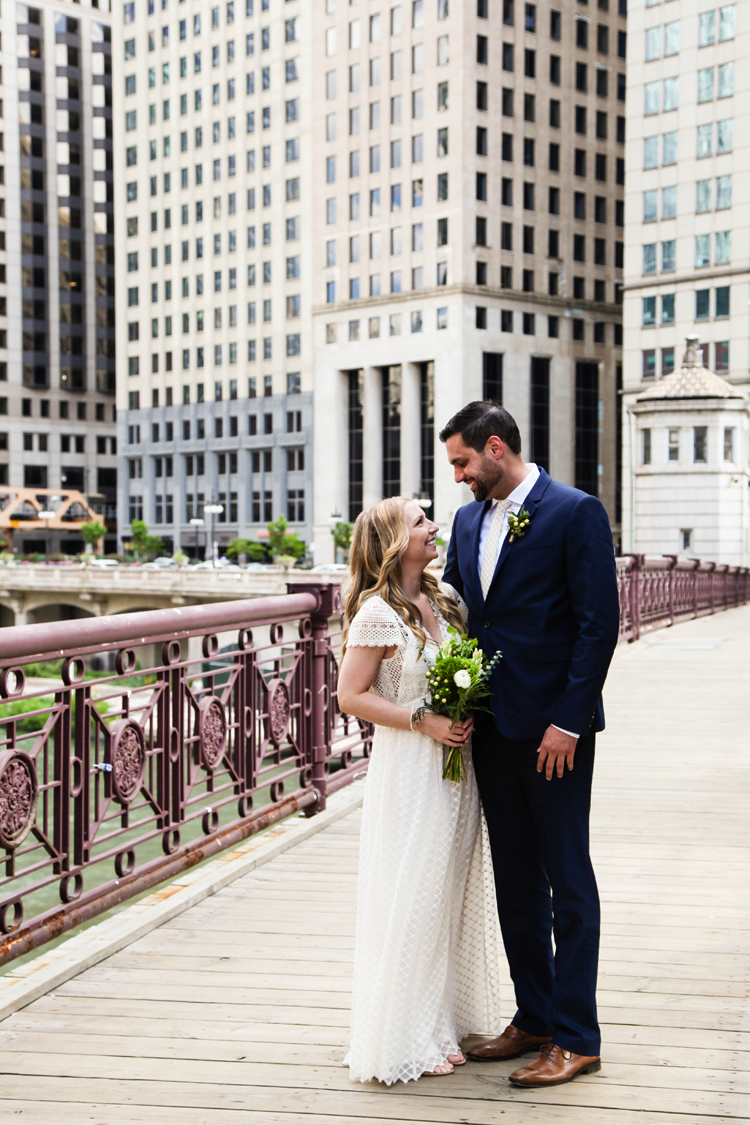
236 1011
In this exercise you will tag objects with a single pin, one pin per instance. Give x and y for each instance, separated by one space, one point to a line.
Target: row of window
698 445
702 306
63 408
706 199
722 252
649 358
705 143
293 387
262 507
293 425
226 463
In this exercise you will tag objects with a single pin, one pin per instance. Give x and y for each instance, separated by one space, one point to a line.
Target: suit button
487 624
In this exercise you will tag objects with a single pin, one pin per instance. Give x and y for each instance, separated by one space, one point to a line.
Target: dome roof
692 380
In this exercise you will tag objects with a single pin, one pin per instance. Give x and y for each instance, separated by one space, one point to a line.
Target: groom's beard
485 484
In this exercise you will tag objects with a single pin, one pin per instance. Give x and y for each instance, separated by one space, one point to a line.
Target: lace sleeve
451 592
376 625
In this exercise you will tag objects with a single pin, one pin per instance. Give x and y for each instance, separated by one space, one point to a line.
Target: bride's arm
358 670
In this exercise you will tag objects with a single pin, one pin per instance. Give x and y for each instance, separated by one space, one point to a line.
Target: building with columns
337 230
467 242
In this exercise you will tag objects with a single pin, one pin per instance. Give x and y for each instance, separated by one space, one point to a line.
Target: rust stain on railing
216 747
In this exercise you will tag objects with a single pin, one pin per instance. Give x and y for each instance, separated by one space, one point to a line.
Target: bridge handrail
194 754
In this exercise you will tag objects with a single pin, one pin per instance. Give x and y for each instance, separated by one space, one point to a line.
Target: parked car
104 564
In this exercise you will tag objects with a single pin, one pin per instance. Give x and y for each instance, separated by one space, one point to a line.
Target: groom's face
482 469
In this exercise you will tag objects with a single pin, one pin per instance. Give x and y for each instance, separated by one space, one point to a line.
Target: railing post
670 585
635 595
329 603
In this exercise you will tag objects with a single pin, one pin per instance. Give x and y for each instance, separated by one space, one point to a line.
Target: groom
534 562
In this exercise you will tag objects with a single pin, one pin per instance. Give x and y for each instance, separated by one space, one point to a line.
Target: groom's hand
557 748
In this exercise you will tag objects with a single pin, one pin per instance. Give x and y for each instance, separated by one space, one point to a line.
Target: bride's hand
442 729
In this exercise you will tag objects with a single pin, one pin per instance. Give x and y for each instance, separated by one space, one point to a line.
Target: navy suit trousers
545 883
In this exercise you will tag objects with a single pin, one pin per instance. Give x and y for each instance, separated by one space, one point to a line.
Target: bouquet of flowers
458 679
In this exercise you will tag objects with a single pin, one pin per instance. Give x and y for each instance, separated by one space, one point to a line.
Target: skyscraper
214 319
57 361
395 210
687 260
468 165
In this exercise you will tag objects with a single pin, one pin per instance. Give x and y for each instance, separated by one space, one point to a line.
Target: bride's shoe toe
457 1059
440 1070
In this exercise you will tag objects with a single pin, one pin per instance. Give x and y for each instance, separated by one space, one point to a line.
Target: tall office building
57 363
402 207
687 257
214 233
468 170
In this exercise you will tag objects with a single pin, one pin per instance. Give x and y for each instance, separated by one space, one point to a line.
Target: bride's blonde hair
379 540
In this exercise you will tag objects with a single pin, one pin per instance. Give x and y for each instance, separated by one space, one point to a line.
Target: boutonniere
518 525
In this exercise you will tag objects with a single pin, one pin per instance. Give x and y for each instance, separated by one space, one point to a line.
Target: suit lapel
472 552
531 504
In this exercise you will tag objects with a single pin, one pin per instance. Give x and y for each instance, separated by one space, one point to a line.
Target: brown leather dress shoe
553 1067
510 1045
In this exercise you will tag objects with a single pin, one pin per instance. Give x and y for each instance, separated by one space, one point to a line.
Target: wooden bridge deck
236 1012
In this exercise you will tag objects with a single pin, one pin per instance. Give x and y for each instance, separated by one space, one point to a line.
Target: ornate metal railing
111 785
661 591
202 735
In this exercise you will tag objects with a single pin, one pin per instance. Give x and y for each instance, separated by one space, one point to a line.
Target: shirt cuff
570 732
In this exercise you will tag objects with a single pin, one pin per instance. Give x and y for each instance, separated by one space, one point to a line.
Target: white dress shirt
516 498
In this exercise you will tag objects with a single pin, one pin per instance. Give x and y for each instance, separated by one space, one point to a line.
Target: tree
144 545
284 542
93 532
342 535
258 552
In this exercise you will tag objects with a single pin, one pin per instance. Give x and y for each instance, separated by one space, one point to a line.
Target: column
410 429
373 436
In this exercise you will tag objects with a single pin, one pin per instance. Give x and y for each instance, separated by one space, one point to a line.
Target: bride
425 961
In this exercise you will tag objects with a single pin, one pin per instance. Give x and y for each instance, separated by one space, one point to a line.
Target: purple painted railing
110 786
660 591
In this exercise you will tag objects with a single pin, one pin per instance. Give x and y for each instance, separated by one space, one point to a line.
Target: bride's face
421 548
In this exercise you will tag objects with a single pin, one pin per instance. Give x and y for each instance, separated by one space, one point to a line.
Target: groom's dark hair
481 420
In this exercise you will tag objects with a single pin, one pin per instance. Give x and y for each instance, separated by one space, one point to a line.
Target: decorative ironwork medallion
279 710
213 731
18 795
128 755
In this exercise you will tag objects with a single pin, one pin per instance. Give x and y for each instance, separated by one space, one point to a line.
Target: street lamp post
46 516
197 523
212 510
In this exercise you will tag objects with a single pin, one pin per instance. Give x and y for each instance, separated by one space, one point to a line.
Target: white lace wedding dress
426 953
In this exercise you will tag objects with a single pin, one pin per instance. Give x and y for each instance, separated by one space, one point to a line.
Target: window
702 304
727 22
706 84
650 152
653 43
648 369
728 442
721 307
649 311
726 81
668 255
671 38
649 258
705 140
724 135
650 205
723 247
700 444
651 98
646 446
703 250
667 308
669 148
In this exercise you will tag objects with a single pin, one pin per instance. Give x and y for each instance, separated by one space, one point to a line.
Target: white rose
462 678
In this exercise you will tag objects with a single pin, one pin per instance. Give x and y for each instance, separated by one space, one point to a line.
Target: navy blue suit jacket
552 610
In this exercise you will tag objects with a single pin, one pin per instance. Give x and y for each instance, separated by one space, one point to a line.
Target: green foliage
145 546
255 551
93 531
33 722
52 670
284 542
342 535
